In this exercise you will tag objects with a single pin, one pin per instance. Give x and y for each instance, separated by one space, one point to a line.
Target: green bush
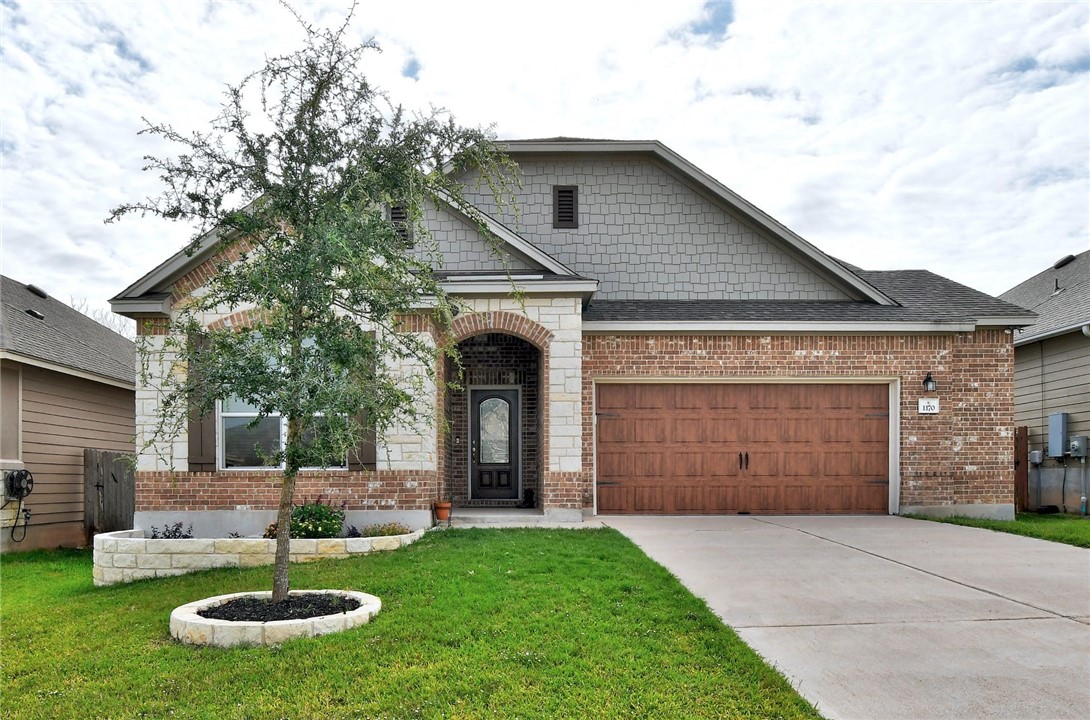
313 520
393 528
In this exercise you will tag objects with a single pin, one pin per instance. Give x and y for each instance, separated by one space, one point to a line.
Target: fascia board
1004 321
775 326
717 189
153 304
55 367
169 271
1050 333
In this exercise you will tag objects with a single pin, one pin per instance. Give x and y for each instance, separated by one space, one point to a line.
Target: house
66 383
1052 375
675 351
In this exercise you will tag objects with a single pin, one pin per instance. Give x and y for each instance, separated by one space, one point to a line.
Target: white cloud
952 136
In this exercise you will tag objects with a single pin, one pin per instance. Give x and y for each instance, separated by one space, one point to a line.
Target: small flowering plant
314 520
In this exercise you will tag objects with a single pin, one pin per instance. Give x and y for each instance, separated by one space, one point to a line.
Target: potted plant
442 510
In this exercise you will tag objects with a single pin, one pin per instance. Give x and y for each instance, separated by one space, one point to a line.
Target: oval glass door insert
495 419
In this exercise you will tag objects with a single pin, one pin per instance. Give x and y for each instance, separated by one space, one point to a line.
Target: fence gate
109 491
1021 468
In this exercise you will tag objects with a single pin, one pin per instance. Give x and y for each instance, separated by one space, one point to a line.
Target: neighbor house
67 383
1052 374
675 351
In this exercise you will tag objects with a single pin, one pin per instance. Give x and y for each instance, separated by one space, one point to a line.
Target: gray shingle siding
643 234
461 246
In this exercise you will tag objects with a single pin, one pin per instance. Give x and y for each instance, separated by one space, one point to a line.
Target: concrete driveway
886 617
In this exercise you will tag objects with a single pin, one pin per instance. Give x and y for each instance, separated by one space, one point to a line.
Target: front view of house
674 351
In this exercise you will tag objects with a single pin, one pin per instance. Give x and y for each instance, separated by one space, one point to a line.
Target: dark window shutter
399 216
202 428
565 206
363 457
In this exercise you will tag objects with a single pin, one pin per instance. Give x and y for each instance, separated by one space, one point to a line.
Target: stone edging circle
188 627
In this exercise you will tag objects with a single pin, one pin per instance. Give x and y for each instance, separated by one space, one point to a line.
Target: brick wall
963 455
260 490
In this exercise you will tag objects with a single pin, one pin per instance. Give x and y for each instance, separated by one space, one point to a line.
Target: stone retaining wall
128 555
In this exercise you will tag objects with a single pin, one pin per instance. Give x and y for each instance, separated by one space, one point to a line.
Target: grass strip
1067 529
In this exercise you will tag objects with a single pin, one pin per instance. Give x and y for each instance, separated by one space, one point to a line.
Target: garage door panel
688 464
675 448
649 430
647 465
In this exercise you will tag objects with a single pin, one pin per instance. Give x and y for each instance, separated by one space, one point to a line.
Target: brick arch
466 326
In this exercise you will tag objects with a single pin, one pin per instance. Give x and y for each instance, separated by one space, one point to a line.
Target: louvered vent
399 216
565 206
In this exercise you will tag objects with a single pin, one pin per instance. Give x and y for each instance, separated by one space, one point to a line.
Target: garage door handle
747 461
739 461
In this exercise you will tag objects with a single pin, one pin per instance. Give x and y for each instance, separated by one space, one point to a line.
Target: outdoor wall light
929 384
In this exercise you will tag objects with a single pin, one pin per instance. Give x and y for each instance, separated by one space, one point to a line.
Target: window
399 216
565 206
244 446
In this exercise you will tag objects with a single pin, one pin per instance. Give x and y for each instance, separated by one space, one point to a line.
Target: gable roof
1059 296
851 282
63 339
924 302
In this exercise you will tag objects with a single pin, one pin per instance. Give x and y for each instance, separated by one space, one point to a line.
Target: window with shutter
399 216
565 206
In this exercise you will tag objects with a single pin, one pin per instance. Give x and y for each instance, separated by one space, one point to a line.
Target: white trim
894 413
518 438
46 365
505 287
657 326
1003 321
148 305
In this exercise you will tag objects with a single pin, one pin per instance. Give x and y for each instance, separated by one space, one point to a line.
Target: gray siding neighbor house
66 384
1052 373
673 350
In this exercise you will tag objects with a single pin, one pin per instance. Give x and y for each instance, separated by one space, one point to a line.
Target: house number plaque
929 406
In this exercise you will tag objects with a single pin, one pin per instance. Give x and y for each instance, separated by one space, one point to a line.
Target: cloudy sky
952 136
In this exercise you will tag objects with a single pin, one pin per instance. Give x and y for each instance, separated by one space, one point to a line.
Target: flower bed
190 628
128 555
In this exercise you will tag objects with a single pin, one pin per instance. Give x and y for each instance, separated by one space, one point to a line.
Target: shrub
313 520
393 528
172 532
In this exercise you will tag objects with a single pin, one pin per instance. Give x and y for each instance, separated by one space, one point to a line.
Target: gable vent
399 216
565 206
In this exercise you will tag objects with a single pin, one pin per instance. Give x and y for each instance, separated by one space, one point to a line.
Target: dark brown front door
742 448
493 471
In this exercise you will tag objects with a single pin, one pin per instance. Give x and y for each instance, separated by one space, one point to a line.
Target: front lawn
1068 529
475 623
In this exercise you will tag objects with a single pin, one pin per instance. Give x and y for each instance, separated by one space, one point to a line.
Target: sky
950 136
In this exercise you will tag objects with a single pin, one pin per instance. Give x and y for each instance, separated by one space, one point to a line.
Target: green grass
475 623
1067 529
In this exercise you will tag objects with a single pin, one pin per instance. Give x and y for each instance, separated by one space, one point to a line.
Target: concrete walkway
886 617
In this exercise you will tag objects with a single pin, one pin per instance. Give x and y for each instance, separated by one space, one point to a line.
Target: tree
118 323
296 181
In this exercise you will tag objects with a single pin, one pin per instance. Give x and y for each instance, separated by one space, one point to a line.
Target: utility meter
1077 445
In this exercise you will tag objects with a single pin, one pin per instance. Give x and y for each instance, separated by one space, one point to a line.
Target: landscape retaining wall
127 555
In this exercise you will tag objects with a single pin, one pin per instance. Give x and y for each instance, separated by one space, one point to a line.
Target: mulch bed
296 607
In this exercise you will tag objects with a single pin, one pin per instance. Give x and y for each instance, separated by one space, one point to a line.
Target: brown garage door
731 448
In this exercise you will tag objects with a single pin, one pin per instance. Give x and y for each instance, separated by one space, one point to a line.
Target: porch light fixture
929 384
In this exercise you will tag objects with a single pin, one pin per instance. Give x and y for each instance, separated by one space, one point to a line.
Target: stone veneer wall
962 456
127 555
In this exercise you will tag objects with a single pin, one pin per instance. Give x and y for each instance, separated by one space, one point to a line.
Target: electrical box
1077 445
1036 457
1057 435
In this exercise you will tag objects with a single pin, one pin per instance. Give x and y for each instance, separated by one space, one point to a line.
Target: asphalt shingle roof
1059 296
922 296
64 336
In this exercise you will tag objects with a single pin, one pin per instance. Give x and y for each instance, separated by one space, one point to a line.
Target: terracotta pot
442 510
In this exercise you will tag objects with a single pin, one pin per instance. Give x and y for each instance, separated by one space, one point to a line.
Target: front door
493 464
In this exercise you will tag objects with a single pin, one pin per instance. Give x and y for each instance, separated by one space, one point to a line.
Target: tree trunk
283 538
